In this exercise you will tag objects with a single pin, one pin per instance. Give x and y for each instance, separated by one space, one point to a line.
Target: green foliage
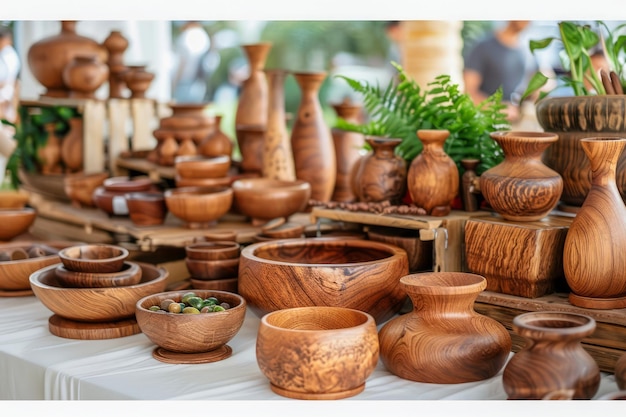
403 107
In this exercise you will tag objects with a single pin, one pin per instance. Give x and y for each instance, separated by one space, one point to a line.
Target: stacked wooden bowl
202 171
213 265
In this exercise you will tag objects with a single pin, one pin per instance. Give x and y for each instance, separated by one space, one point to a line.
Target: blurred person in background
189 78
9 71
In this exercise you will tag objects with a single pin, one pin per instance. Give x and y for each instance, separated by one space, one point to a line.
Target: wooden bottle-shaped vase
348 147
443 340
217 143
72 146
49 155
593 255
522 187
116 44
277 154
250 139
381 174
469 182
311 140
433 178
553 358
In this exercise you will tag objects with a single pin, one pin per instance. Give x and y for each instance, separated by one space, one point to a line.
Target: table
36 365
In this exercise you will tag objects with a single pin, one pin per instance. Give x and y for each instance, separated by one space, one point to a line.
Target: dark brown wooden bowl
191 333
211 251
130 274
214 269
335 272
226 284
15 222
94 258
146 208
198 166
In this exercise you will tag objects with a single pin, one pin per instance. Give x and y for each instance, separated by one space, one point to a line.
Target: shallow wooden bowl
198 207
130 274
213 269
198 166
95 304
226 284
14 274
13 199
146 208
125 184
191 333
210 251
317 353
264 199
94 258
335 272
80 187
14 222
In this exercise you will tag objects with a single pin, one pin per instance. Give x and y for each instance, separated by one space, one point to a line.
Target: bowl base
71 329
168 356
298 395
597 303
16 293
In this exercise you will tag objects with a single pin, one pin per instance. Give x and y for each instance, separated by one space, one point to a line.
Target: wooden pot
116 44
217 143
83 75
72 146
381 175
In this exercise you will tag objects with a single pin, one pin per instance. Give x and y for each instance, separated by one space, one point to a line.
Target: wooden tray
167 356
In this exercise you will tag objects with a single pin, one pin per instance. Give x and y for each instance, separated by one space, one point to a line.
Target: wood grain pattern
443 340
94 257
338 272
212 269
382 175
70 329
323 353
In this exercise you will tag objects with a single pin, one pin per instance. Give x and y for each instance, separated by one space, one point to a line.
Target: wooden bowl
80 187
191 333
286 230
95 304
146 208
215 269
202 182
94 258
199 206
263 199
15 222
125 184
130 274
210 251
317 353
198 166
112 203
14 274
13 199
335 272
226 284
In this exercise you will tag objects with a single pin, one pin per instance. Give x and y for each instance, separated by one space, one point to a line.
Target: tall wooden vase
311 140
593 256
277 155
381 175
433 177
72 146
443 340
49 155
348 147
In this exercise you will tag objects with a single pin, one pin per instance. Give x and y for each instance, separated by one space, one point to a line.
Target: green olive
174 308
154 308
187 295
191 310
218 308
211 300
196 302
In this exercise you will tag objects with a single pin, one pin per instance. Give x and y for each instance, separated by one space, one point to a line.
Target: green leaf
537 81
541 43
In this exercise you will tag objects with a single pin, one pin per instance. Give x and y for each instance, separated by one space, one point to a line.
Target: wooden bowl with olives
94 258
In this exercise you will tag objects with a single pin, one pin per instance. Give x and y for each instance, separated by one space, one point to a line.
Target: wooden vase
277 155
49 155
116 44
83 75
250 139
217 143
138 80
348 146
593 259
381 175
521 187
72 146
553 358
443 340
433 178
311 140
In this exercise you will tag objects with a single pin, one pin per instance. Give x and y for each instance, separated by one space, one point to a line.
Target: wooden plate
71 329
167 356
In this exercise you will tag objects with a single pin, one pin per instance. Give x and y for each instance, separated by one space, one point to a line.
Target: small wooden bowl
80 187
111 202
125 184
130 274
284 231
226 284
317 353
95 304
220 235
198 207
94 258
146 208
215 269
210 251
198 166
191 333
13 199
15 222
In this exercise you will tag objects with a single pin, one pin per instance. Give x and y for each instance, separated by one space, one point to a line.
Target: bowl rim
170 294
197 191
220 159
129 269
121 257
22 210
248 184
299 310
216 247
113 183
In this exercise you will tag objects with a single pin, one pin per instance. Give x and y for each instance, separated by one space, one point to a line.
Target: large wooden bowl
95 304
198 207
14 222
263 199
94 258
317 353
198 166
191 333
335 272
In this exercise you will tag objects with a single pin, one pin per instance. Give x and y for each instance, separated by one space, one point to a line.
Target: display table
36 365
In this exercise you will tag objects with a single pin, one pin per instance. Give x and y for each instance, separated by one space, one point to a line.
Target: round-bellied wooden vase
311 140
72 146
620 372
443 340
381 174
49 155
348 146
217 143
433 177
522 187
83 75
277 154
593 255
553 358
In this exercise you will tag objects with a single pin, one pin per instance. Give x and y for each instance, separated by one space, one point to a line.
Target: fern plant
403 107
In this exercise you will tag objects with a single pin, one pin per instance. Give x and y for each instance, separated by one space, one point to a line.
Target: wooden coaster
317 396
15 293
168 356
71 329
597 303
285 231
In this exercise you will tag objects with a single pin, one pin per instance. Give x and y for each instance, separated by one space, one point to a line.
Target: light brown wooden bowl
130 274
95 304
13 199
94 258
191 333
15 222
146 208
317 353
335 272
198 166
14 274
226 284
199 206
80 187
202 182
264 199
210 251
213 269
